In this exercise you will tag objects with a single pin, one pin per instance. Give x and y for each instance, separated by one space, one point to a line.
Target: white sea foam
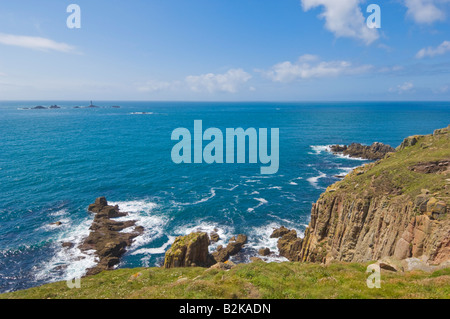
205 199
259 237
72 261
157 250
315 180
142 211
347 170
261 201
349 158
319 149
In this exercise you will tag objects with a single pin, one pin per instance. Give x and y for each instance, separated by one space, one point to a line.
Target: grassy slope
392 174
255 280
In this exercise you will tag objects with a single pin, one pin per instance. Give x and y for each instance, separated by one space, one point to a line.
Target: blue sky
225 50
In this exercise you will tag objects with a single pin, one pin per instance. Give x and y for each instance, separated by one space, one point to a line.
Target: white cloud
344 18
443 48
426 11
36 43
154 86
402 88
227 82
309 66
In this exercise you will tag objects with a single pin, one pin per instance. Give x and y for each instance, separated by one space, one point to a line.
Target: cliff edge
397 207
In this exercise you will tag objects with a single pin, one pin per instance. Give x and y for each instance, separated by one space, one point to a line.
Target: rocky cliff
396 207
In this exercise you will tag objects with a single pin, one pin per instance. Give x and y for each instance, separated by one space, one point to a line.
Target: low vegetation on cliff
256 280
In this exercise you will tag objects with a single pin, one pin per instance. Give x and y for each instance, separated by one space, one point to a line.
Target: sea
55 162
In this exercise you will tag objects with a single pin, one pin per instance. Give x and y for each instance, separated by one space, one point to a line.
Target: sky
225 50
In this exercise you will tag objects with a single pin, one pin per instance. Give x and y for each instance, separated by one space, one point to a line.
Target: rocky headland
395 210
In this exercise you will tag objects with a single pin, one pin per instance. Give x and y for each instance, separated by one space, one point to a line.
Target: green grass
255 280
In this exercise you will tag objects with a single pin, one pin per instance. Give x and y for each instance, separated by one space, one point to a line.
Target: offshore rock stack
106 238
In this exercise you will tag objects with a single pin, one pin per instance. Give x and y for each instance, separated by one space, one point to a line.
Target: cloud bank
443 48
226 82
36 43
344 18
309 66
426 11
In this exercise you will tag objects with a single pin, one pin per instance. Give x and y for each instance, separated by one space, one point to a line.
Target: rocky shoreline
376 151
379 222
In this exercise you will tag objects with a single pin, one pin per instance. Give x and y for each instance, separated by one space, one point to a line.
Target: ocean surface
54 163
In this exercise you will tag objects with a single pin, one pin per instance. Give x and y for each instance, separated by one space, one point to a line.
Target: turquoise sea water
54 163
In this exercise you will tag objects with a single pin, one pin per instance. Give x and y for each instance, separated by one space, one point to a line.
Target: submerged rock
56 224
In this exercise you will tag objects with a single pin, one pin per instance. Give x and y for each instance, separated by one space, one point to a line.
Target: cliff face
398 206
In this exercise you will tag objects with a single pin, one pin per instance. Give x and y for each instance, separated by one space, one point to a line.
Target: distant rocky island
55 107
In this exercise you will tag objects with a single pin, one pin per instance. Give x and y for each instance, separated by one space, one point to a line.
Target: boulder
234 246
264 251
223 266
256 259
279 232
102 209
338 148
189 251
214 237
67 245
289 246
56 224
409 141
